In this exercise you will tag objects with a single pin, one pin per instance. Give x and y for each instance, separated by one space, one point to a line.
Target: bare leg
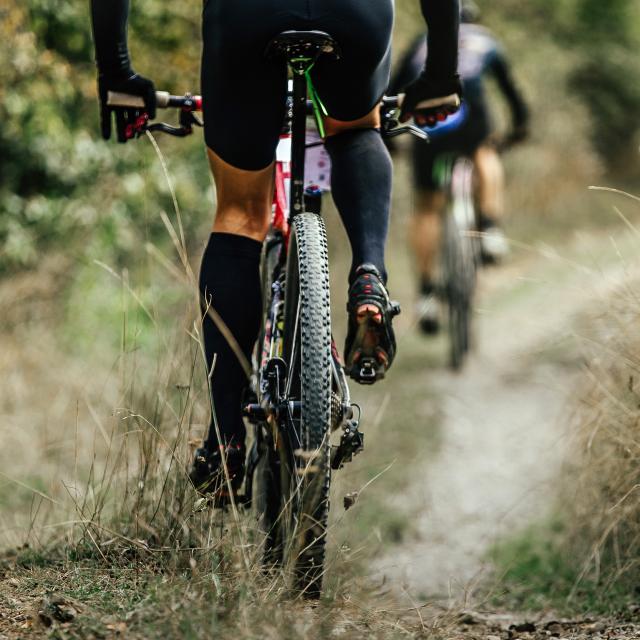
490 204
424 231
370 121
244 199
490 182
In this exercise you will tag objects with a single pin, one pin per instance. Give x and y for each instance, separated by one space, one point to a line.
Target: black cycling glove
129 121
429 100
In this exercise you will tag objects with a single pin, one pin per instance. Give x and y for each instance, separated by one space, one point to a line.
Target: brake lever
390 128
187 121
163 127
407 128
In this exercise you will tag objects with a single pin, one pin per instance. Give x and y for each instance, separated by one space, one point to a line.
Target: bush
60 183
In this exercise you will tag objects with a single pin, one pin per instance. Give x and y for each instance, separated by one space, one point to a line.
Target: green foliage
604 40
61 184
539 573
609 40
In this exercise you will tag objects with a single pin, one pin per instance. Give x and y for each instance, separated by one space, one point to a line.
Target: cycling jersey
479 56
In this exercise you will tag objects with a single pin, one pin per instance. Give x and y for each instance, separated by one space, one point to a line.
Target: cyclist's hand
128 121
430 101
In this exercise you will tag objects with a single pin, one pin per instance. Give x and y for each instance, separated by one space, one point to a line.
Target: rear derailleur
351 444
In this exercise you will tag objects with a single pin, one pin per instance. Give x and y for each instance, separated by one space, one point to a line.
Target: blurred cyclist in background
480 56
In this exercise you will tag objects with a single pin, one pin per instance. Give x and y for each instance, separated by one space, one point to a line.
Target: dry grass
105 395
587 557
101 532
603 494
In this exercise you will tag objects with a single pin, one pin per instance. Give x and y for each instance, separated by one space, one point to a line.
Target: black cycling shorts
245 94
462 141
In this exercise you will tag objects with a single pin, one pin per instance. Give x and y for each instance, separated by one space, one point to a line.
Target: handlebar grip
452 100
116 99
393 102
162 99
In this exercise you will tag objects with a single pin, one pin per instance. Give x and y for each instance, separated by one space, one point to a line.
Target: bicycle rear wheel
459 261
266 499
264 459
305 451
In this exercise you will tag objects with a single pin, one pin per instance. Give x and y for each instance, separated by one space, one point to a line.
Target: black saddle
302 44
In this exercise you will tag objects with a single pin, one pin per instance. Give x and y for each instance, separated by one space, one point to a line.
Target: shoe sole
368 362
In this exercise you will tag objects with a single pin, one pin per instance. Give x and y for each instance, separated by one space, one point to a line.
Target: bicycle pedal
365 372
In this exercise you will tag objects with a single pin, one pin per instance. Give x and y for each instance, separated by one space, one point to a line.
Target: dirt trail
504 418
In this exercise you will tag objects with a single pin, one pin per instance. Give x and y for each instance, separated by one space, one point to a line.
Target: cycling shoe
494 246
208 476
370 346
429 311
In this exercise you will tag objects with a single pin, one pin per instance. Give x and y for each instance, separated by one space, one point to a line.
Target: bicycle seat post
299 67
300 50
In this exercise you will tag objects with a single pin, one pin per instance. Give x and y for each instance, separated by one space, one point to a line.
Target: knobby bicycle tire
266 498
305 467
459 262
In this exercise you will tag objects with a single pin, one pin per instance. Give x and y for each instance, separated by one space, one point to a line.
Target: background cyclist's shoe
428 311
207 472
370 346
494 246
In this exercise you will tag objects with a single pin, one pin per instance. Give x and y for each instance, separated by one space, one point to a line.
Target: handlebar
190 104
164 100
392 102
187 104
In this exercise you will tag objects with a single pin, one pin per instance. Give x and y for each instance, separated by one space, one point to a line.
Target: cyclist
480 56
240 85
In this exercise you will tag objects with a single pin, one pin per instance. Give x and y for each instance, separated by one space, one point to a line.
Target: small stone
350 499
554 629
467 618
596 627
56 609
200 505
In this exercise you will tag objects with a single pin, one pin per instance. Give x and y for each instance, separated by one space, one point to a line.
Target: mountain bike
459 252
299 393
